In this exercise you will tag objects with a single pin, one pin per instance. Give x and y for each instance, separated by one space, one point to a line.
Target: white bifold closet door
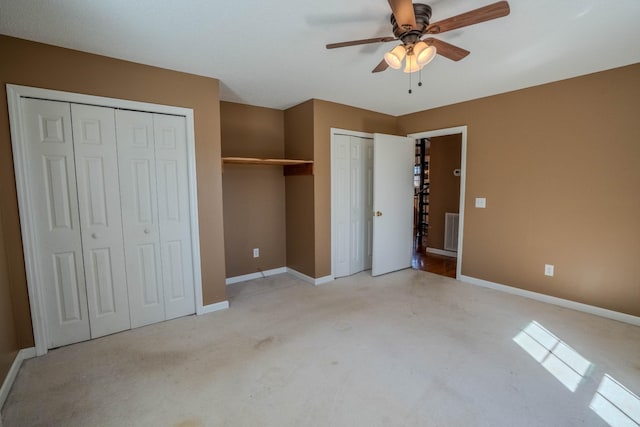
112 218
77 203
173 215
352 204
152 155
56 220
94 138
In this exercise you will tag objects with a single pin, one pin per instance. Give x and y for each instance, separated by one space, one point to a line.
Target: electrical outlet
256 252
548 270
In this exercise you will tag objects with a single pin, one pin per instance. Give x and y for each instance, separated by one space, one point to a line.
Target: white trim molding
442 252
309 279
24 354
15 96
258 275
222 305
578 306
462 130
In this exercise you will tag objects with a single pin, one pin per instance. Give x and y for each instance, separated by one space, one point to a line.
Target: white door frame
334 132
462 130
15 95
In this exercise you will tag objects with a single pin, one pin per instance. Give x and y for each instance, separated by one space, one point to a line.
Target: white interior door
137 169
173 214
393 158
94 137
54 201
352 165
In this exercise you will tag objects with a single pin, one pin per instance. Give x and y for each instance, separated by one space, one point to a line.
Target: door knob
147 231
94 235
378 213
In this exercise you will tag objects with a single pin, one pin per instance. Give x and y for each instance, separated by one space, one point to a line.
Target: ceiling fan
410 23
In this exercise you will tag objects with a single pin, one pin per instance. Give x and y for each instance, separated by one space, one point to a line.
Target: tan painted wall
298 140
559 166
34 64
253 196
444 189
8 344
329 115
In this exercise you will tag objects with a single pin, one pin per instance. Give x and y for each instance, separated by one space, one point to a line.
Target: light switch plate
548 270
481 202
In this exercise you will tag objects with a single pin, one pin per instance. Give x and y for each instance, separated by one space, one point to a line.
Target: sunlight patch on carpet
563 362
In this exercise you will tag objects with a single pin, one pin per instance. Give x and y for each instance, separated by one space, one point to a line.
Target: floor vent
451 221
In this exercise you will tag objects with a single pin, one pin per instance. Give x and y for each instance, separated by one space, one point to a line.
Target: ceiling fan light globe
394 57
411 64
424 56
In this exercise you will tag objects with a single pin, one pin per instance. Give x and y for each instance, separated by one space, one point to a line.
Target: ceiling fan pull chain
420 77
410 83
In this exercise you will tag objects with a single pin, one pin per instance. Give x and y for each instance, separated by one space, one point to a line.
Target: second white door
393 161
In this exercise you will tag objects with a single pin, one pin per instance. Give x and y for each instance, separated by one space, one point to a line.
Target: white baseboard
273 272
257 275
316 282
586 308
25 353
222 305
442 252
323 280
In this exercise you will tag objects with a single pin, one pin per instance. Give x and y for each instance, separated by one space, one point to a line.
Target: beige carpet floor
405 349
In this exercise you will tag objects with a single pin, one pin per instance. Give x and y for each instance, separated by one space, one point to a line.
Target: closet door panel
368 201
357 205
341 199
53 197
94 136
173 214
137 167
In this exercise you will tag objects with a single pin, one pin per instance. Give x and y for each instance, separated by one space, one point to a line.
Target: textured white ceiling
271 53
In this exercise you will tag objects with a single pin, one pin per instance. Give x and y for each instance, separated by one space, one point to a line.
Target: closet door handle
147 231
94 235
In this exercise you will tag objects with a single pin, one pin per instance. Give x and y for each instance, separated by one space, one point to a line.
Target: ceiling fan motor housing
407 35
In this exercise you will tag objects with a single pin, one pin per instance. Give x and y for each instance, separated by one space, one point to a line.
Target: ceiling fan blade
487 13
403 12
447 50
363 41
381 66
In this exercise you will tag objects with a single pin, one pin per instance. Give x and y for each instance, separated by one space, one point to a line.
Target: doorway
393 177
439 200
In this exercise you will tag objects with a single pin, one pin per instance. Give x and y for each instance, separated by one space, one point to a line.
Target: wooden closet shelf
291 166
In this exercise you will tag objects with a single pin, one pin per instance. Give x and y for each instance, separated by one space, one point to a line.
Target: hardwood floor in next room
437 264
